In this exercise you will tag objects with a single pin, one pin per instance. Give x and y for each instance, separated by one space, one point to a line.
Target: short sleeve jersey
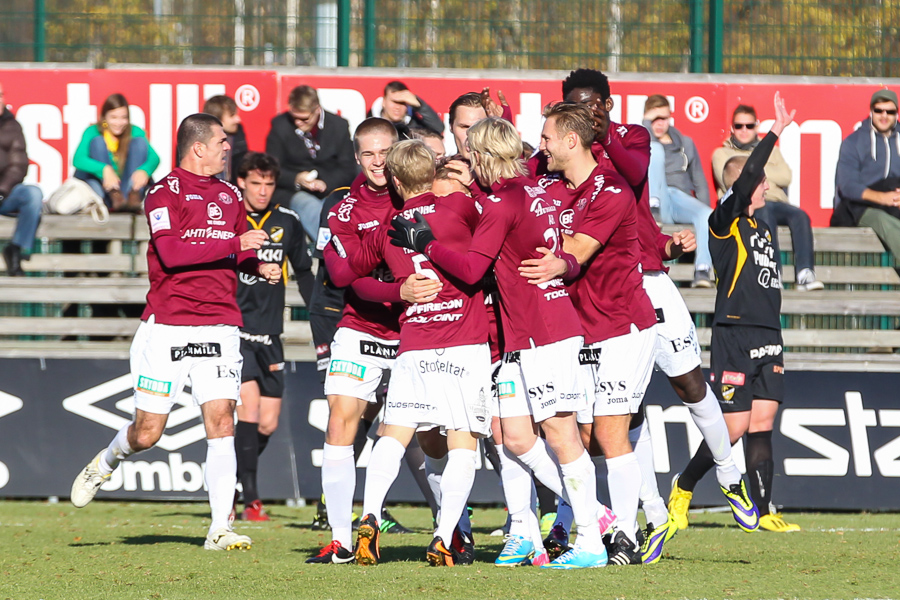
609 293
456 317
207 216
355 217
517 217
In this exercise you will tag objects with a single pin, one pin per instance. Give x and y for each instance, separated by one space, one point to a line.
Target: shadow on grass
739 561
88 544
711 525
149 540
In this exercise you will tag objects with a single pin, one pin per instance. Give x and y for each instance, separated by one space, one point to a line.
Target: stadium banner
837 439
55 105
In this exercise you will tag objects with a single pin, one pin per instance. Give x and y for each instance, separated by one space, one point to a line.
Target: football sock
459 475
119 449
707 415
564 515
263 441
654 506
415 462
220 478
361 439
544 467
516 481
624 490
760 469
338 487
545 497
534 524
492 454
700 464
384 466
580 480
246 448
434 468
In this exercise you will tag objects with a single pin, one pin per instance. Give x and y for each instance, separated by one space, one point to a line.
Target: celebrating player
189 329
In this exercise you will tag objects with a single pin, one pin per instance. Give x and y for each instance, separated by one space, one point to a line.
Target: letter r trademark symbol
696 109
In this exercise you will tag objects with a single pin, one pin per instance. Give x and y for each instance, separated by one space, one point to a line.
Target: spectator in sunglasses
778 210
867 181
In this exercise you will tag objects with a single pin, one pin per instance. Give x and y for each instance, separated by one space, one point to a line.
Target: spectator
867 181
225 109
433 140
115 158
405 110
677 183
314 150
16 198
777 211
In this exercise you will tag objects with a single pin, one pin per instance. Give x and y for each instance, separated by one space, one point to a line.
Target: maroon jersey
355 217
456 317
609 293
195 224
517 217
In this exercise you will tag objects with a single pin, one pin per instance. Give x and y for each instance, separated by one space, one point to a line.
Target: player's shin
707 415
384 466
459 475
119 449
580 480
220 478
517 488
624 491
654 505
338 486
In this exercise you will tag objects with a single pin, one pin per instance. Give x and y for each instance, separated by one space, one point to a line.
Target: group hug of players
526 299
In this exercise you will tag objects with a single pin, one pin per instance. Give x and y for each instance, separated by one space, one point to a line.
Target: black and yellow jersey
748 290
262 304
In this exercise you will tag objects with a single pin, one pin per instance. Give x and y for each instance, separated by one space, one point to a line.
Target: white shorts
677 349
621 374
164 358
541 382
358 360
447 387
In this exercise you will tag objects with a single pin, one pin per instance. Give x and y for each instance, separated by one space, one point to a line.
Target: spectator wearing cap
314 150
405 110
778 210
867 180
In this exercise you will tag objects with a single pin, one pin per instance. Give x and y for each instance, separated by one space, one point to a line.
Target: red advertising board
55 106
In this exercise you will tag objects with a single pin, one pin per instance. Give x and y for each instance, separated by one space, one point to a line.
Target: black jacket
237 153
334 160
13 160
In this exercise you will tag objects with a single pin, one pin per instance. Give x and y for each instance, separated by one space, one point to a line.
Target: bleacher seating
851 325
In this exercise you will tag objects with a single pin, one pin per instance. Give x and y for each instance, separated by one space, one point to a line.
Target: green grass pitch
125 551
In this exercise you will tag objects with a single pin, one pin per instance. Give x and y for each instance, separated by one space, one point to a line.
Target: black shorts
263 363
747 363
323 326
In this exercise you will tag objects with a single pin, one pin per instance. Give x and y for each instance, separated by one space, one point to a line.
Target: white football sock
654 506
384 466
580 480
119 449
517 485
564 515
544 467
338 486
707 415
624 490
220 478
459 475
434 470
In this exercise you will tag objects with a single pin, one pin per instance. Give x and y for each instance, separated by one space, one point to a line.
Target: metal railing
791 37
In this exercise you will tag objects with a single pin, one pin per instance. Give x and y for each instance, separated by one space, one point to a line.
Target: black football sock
359 443
546 498
700 464
246 447
415 462
760 469
490 452
263 441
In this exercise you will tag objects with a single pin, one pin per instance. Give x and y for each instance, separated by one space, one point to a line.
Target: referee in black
262 306
746 359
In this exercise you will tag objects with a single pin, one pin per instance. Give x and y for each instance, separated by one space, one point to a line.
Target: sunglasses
743 125
890 111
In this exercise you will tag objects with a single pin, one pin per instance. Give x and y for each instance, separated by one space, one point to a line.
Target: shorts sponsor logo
369 348
778 369
323 349
411 405
733 378
589 356
609 387
276 367
226 372
159 219
345 368
727 393
680 344
537 393
154 387
441 366
767 350
506 389
196 350
225 198
660 316
257 338
322 364
480 408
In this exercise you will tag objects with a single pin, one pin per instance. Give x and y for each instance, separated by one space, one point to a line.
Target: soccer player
262 308
746 360
464 112
442 373
189 329
542 334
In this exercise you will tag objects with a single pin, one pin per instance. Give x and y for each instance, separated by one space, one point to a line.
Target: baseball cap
883 95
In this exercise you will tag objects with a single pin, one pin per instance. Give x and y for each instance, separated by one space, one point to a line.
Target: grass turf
155 550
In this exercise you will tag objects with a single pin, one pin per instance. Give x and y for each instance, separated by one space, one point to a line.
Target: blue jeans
137 155
796 219
309 207
26 201
676 206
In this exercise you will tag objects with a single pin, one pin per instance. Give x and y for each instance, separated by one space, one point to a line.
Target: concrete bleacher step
825 239
836 275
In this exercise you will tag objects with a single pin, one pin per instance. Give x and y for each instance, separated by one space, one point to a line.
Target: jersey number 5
418 259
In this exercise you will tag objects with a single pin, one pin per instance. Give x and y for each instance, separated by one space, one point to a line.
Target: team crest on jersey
276 234
727 393
213 211
173 184
582 202
224 198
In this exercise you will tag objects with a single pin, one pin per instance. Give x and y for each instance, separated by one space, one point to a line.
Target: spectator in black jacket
315 152
404 109
225 109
